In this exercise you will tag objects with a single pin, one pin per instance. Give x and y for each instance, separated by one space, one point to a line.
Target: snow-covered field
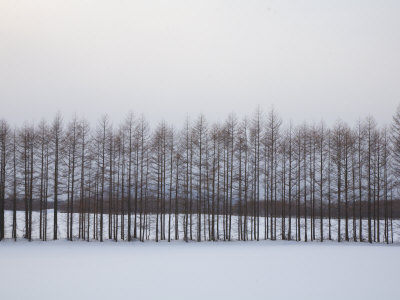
178 270
208 270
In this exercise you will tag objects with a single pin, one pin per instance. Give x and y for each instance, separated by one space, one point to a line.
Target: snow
212 270
207 270
151 226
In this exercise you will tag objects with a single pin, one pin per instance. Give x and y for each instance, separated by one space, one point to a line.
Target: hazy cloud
312 60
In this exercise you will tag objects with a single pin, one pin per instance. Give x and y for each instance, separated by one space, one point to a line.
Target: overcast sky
311 60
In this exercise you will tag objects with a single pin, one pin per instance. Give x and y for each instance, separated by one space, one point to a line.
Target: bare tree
217 181
56 139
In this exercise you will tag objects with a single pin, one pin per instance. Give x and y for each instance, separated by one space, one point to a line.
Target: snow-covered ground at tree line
151 227
214 270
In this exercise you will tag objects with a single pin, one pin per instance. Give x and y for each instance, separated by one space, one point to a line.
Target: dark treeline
253 178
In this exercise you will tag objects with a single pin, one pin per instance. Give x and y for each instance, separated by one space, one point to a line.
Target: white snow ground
221 270
207 270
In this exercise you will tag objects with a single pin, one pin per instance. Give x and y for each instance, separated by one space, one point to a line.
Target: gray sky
311 60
